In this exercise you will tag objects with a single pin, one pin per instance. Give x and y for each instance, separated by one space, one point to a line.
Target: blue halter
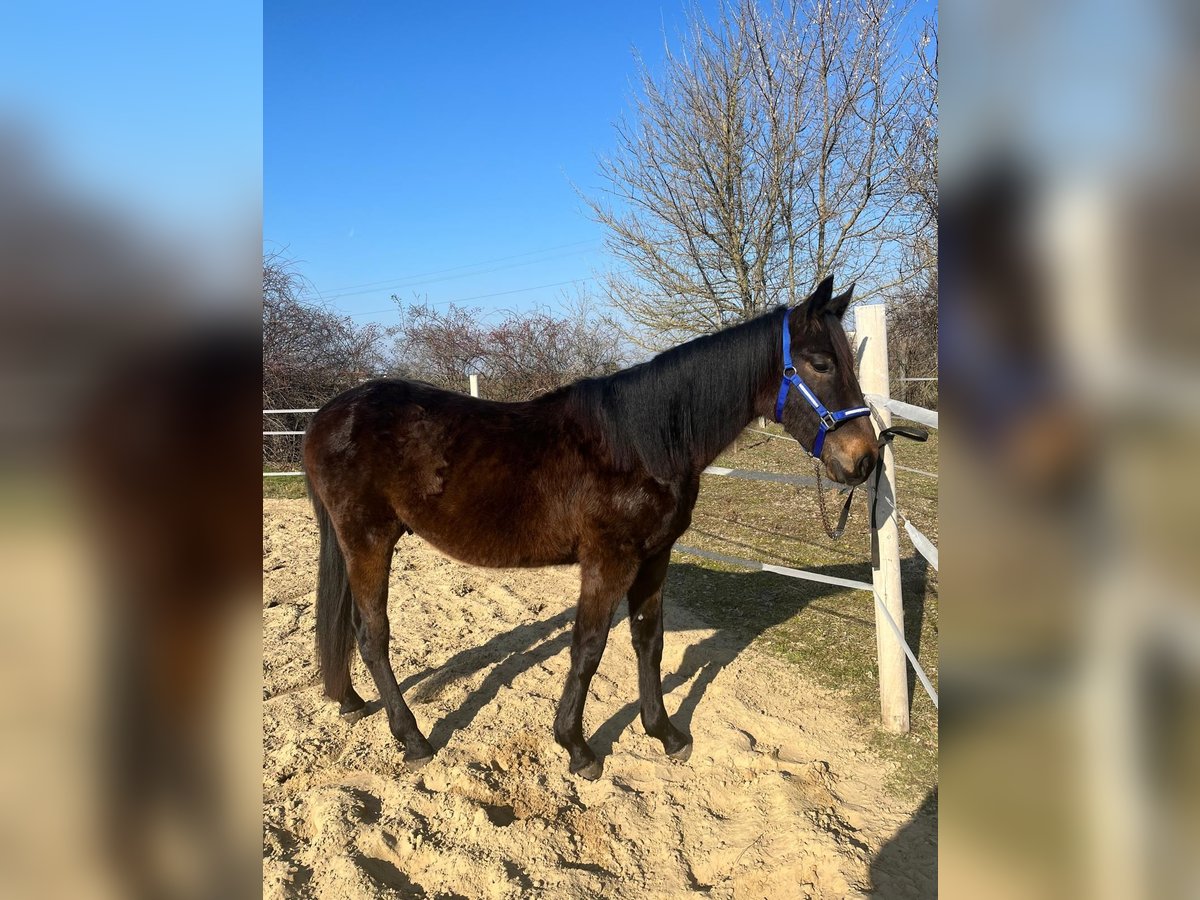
829 420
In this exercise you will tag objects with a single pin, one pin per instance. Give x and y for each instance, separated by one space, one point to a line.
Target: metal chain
834 533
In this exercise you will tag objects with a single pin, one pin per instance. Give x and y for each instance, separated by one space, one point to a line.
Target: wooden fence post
474 382
871 335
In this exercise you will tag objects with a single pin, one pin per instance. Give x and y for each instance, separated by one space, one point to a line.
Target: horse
603 472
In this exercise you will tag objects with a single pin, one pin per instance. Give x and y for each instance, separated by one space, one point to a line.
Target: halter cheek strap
791 378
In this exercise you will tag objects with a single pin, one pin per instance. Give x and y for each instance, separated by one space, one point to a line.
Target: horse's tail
335 628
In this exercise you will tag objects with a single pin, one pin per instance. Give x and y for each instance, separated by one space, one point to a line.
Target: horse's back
488 483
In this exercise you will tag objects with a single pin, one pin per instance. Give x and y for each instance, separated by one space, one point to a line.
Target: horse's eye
822 365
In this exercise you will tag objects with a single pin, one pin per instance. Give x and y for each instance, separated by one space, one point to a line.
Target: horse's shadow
509 655
906 865
740 606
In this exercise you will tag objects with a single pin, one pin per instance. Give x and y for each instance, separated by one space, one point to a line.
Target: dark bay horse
603 473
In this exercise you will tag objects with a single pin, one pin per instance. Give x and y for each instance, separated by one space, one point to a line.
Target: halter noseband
828 420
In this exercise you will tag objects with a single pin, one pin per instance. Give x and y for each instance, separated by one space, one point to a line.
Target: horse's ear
819 299
839 304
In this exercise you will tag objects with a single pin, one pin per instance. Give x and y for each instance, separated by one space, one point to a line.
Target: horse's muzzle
857 472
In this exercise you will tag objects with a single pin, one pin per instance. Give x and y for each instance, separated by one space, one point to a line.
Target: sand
781 797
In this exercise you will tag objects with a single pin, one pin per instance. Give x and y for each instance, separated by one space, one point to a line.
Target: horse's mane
684 405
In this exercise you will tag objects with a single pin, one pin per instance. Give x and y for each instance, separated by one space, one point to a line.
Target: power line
472 274
536 287
390 281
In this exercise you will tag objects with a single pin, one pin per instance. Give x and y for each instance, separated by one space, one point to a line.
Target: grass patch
284 487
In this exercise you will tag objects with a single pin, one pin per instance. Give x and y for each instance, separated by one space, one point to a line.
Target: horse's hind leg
368 565
646 628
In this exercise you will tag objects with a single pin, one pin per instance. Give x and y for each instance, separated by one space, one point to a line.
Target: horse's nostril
865 465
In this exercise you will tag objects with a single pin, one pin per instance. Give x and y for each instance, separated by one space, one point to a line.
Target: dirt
781 798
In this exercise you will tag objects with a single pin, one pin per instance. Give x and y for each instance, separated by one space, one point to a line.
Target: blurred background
130 254
1069 331
130 198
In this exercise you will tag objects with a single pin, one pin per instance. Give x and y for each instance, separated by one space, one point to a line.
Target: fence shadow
914 574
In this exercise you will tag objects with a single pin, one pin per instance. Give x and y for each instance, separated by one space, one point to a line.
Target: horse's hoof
412 763
683 754
352 707
591 771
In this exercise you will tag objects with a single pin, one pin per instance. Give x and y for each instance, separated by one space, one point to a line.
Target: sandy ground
780 799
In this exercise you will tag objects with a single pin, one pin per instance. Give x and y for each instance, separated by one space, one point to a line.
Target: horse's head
824 364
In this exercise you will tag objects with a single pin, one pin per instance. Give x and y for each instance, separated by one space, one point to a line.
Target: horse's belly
499 551
499 537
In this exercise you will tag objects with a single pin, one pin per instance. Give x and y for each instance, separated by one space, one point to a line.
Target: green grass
829 632
284 487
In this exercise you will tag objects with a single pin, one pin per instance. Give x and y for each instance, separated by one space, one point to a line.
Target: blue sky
404 142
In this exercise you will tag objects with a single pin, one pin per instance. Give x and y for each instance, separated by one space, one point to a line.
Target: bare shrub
913 344
522 355
310 354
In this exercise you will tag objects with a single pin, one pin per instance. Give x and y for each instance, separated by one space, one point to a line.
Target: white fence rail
918 414
923 545
757 566
784 437
752 475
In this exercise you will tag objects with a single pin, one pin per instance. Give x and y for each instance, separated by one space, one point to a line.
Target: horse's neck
678 412
746 409
728 433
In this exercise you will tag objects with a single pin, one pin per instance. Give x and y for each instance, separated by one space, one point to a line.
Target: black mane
677 411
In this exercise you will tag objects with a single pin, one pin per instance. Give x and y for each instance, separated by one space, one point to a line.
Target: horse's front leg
603 583
646 629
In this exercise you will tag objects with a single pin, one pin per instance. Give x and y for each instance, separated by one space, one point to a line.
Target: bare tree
767 155
913 305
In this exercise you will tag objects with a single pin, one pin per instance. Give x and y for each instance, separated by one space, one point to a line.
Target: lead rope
920 435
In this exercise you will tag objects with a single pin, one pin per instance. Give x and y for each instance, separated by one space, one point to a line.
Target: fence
893 651
288 433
